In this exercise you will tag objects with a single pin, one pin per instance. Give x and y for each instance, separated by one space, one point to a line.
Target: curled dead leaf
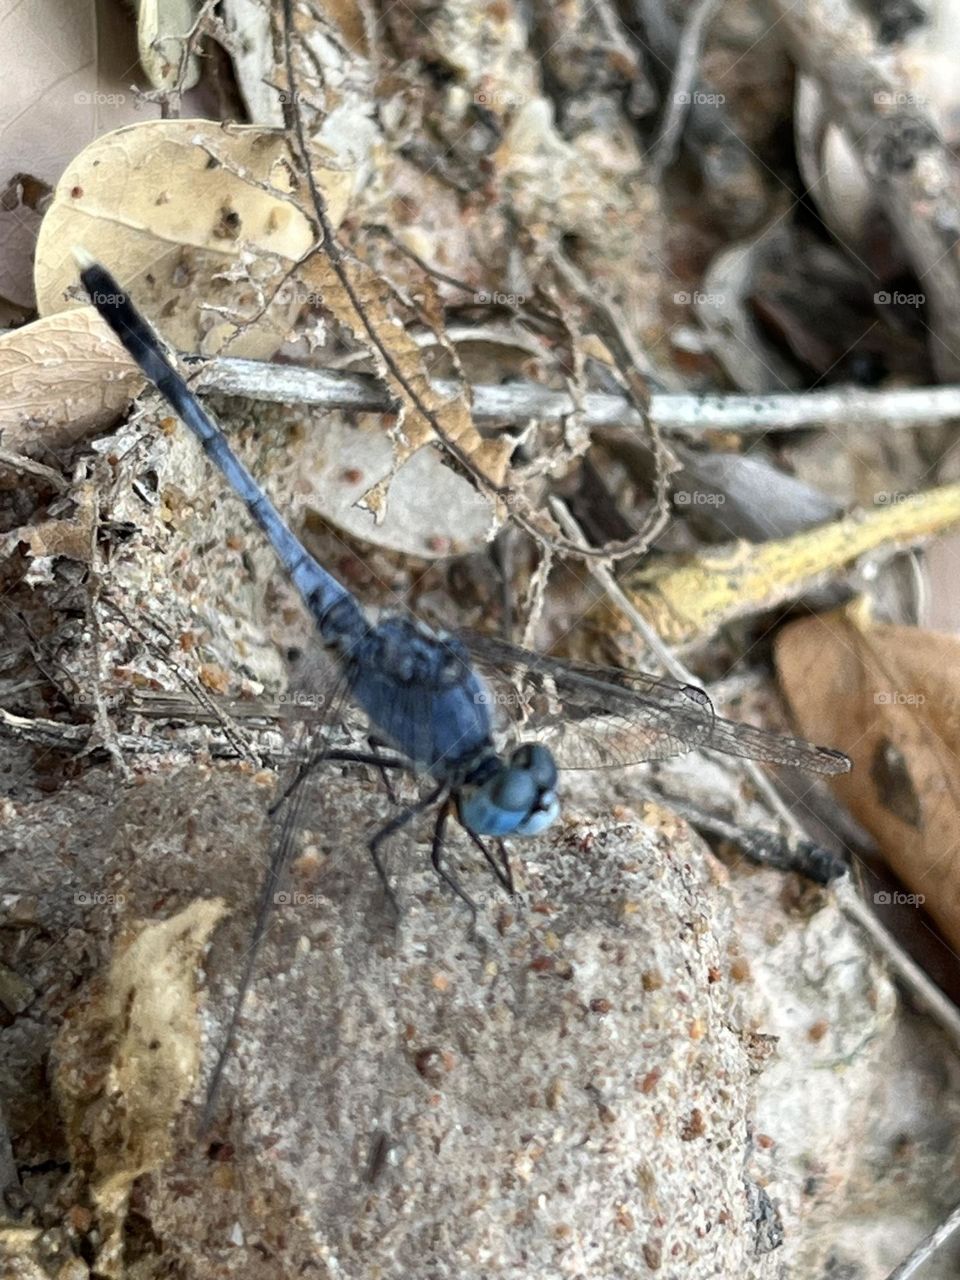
890 697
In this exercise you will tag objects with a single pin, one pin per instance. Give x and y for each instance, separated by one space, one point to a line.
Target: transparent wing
598 717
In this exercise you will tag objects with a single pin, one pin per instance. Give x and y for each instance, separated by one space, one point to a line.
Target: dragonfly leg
500 869
338 755
447 876
375 745
391 828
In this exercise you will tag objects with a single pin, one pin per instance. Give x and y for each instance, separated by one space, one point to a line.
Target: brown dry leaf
690 601
128 1058
413 431
890 697
62 378
183 213
70 536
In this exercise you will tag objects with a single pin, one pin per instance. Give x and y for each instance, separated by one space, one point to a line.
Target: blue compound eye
538 763
516 790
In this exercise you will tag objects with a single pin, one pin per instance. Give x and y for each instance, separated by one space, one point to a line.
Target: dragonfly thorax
510 797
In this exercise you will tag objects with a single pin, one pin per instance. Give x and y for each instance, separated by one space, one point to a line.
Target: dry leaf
128 1058
62 378
692 600
183 213
413 431
334 466
162 28
70 535
890 697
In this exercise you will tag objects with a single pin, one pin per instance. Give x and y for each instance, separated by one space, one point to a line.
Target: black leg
391 828
500 869
338 755
375 745
447 877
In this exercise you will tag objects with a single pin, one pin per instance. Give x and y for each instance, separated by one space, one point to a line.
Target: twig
27 466
927 1247
690 416
682 85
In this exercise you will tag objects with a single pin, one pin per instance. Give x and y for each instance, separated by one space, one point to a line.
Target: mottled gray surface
585 1090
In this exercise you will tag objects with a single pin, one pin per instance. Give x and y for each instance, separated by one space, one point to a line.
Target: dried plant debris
890 697
127 1060
691 600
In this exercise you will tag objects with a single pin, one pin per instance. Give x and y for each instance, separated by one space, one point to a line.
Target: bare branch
691 416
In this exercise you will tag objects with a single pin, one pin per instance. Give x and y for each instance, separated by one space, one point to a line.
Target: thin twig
27 466
690 416
682 86
927 1247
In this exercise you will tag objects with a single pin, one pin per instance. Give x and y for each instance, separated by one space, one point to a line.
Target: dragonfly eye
537 761
518 799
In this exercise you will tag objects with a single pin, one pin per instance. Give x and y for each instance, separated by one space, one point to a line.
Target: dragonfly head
514 797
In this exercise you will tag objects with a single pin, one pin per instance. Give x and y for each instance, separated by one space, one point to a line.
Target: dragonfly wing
593 716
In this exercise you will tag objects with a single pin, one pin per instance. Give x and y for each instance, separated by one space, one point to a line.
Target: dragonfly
427 694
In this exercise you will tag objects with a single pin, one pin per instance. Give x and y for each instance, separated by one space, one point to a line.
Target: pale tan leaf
405 374
190 217
61 379
889 696
128 1056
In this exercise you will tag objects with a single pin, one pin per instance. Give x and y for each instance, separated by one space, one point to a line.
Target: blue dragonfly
426 693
